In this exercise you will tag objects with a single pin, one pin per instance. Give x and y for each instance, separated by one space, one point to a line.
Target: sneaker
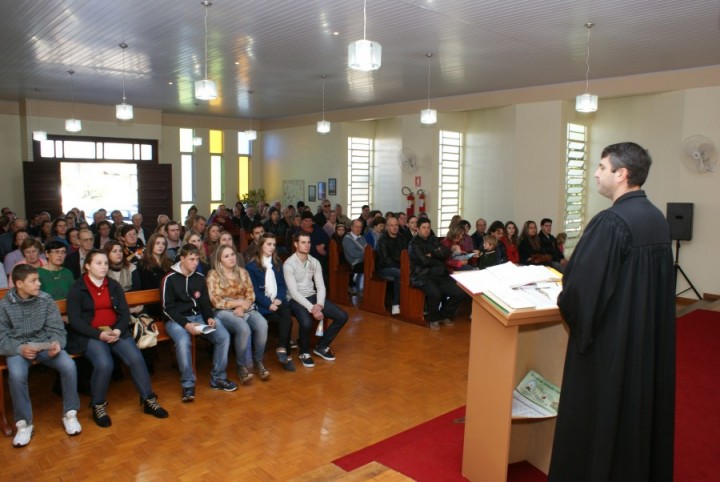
307 360
446 322
282 355
289 365
324 352
243 374
72 426
152 407
188 394
263 372
433 325
223 384
395 309
23 435
100 415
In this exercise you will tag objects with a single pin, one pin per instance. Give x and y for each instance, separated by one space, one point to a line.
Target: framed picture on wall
321 193
311 193
332 186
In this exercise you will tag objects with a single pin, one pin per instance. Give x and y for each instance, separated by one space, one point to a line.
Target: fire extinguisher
410 198
421 201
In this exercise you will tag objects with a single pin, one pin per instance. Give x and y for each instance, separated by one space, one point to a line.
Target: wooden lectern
503 347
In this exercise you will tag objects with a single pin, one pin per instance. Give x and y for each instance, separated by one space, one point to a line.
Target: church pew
373 299
412 300
339 276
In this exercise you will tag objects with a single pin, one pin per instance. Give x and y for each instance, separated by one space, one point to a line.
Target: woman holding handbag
99 319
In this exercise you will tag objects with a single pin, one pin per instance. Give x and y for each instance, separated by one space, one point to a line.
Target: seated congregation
225 279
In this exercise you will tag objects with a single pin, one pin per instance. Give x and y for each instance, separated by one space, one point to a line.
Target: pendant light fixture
428 116
205 89
323 126
72 124
587 102
39 135
123 111
364 54
250 134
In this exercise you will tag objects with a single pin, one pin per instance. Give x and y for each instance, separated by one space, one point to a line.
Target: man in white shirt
305 285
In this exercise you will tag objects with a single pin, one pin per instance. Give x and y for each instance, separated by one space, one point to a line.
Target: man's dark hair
200 218
496 225
300 234
54 244
422 221
465 224
22 271
632 157
255 224
545 220
300 204
306 215
188 249
171 223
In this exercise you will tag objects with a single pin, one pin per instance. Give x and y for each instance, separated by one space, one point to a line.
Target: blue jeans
220 339
240 327
392 274
100 355
307 322
18 380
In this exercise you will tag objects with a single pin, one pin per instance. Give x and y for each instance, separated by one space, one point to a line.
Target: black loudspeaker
680 220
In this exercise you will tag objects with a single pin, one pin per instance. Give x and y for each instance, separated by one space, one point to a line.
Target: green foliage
252 197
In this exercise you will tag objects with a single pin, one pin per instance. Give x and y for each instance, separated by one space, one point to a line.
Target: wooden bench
375 287
412 300
134 298
339 276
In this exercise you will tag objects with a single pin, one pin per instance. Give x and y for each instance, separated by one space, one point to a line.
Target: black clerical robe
617 403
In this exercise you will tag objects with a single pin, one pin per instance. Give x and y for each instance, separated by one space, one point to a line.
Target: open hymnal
535 397
513 287
204 329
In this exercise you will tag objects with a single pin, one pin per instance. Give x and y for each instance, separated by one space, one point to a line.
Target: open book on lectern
513 287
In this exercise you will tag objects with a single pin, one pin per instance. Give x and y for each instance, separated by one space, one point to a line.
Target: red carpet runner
432 451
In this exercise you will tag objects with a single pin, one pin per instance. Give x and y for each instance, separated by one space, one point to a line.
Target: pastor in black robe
617 402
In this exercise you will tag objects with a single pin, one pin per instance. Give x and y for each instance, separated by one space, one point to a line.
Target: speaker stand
679 269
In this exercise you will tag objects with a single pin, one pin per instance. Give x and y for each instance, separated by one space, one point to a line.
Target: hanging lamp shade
323 126
251 134
123 111
205 90
39 136
197 141
73 125
364 55
586 103
428 116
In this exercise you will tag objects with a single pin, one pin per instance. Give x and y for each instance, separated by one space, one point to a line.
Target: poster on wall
293 191
332 186
321 194
311 193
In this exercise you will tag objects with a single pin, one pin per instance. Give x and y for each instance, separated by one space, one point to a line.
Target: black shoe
325 353
224 385
188 394
100 415
151 407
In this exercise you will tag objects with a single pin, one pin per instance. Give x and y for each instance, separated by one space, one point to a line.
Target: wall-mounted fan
700 154
408 160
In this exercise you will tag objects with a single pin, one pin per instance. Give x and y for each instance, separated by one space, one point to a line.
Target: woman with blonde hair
233 297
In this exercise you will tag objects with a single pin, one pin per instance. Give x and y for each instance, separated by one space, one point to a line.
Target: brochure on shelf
535 397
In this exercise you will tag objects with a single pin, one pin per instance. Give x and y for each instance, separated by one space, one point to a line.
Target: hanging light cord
72 93
207 4
364 19
323 104
428 96
587 59
123 46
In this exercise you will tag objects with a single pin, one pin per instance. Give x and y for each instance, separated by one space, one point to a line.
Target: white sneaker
395 309
23 435
72 426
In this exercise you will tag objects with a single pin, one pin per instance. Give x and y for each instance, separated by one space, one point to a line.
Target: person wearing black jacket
387 262
186 303
428 272
99 320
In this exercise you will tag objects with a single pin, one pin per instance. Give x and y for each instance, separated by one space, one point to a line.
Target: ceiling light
587 102
205 89
72 124
39 135
197 141
428 116
123 111
364 54
323 126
